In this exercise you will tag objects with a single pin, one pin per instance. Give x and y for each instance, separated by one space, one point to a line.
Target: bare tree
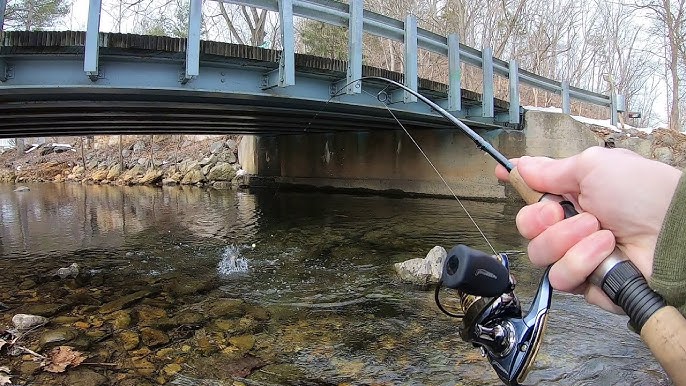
670 22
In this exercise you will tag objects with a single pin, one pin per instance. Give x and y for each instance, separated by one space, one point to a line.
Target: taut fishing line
382 97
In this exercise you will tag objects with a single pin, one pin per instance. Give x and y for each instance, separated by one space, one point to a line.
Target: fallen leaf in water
62 356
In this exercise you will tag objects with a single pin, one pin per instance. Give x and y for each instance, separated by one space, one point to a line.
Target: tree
252 17
30 15
323 39
670 23
171 19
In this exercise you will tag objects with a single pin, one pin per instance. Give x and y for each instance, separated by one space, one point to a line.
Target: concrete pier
390 161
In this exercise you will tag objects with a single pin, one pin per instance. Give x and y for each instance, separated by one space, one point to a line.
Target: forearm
669 264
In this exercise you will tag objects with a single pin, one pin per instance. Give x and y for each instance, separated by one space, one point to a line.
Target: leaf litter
61 357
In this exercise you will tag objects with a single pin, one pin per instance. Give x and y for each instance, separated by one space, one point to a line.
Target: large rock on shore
193 177
423 271
222 171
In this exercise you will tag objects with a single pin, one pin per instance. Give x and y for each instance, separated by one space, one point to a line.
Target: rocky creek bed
172 329
136 332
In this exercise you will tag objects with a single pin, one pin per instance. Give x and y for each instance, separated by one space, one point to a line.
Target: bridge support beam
487 110
192 69
355 31
410 58
454 74
514 92
566 103
90 59
287 59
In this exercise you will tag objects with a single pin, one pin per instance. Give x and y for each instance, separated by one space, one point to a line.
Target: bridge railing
358 21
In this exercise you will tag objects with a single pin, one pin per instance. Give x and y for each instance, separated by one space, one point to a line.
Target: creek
319 264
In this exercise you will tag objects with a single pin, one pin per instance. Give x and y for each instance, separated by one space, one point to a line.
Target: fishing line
382 94
438 173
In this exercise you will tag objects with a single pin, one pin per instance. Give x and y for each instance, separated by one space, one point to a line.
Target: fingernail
550 214
585 220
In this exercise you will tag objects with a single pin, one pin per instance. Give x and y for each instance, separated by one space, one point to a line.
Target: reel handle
475 272
662 327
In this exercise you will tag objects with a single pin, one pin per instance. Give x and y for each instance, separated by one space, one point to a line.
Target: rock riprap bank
144 160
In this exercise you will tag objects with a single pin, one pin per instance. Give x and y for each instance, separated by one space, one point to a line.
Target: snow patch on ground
598 122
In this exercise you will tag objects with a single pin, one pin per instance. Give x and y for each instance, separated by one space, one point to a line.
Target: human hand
623 199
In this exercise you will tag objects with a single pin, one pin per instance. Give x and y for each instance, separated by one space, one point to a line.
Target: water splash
232 261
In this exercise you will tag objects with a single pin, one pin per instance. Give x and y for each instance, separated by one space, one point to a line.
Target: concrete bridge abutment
390 161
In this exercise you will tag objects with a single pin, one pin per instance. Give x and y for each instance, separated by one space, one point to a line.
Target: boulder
193 177
216 147
138 146
221 172
231 144
423 271
151 177
99 175
114 172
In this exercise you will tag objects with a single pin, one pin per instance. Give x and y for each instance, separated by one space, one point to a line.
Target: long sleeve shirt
669 264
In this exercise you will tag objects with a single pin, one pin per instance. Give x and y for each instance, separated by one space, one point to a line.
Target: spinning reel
493 318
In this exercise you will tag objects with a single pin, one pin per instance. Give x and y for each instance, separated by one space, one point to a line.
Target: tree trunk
19 143
152 152
121 156
83 157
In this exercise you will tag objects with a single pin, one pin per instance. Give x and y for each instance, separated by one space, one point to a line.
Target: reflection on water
322 265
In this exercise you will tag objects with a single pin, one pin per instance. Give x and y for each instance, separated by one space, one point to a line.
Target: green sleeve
669 264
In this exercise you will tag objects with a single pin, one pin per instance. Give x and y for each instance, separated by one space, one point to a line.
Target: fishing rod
493 318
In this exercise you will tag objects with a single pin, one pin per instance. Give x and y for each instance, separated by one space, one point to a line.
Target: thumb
549 175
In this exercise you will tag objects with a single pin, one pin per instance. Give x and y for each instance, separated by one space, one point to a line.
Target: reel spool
493 317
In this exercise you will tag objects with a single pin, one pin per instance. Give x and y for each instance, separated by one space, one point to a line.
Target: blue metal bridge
85 83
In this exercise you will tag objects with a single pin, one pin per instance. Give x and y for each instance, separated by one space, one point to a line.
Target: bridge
316 122
78 83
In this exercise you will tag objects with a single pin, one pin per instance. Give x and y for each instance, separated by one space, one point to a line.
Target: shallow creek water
270 288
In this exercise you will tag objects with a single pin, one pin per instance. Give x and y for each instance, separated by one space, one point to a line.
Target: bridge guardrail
339 14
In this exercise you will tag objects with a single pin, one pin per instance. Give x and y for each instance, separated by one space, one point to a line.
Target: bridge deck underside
138 91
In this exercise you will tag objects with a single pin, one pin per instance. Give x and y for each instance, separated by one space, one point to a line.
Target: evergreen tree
32 15
324 40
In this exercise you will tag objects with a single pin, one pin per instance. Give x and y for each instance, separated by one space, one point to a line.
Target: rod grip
665 335
529 195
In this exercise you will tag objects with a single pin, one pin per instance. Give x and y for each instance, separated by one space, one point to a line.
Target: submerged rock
43 309
189 318
129 340
423 271
57 336
85 377
152 337
124 301
25 321
227 308
147 315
